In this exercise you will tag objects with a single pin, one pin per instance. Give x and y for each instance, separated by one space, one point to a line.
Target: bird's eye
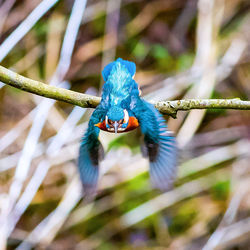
109 121
121 121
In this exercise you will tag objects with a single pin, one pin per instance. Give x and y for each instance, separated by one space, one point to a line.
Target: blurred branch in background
111 30
145 210
221 235
42 169
210 15
4 10
25 27
41 114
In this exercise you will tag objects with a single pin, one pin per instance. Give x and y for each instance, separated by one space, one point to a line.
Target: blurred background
182 49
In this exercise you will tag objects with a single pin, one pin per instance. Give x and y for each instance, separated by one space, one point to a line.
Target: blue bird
122 109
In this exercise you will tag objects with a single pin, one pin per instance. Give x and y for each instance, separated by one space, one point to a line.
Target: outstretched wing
91 152
160 145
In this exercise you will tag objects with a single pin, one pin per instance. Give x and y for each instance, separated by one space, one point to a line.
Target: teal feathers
117 66
119 83
122 109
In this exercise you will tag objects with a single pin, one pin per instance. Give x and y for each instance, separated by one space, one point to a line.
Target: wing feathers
166 157
88 168
161 147
91 152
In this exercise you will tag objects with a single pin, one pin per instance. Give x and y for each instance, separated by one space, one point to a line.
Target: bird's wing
160 145
91 152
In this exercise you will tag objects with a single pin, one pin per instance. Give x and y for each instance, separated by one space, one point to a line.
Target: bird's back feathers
119 82
130 66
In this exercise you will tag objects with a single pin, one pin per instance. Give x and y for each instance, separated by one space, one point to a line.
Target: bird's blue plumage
119 85
130 67
160 145
115 113
122 109
91 152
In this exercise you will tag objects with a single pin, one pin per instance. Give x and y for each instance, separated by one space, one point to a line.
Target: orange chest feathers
132 124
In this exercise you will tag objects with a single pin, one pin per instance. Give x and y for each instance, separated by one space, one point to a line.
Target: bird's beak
98 124
101 125
116 124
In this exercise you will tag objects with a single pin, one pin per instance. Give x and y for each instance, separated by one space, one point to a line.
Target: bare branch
171 107
89 101
39 88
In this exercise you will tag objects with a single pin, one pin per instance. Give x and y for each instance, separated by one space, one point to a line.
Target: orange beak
101 125
98 124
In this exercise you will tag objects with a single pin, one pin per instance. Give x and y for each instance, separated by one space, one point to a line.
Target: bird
121 110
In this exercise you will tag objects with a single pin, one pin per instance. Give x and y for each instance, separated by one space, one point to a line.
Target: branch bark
88 101
15 80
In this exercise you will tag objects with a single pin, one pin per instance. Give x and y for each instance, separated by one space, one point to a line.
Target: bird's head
116 119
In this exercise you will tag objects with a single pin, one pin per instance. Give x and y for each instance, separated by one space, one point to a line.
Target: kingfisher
121 110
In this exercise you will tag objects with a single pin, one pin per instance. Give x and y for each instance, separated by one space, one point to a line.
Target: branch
234 234
171 107
60 94
88 101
